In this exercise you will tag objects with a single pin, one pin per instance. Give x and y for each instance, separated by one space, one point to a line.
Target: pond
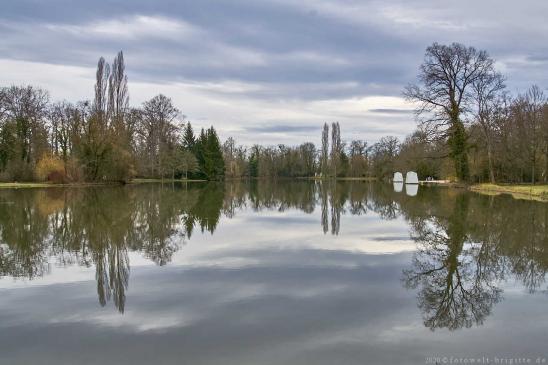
286 272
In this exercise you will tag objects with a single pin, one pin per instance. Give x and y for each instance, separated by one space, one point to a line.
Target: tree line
101 140
470 129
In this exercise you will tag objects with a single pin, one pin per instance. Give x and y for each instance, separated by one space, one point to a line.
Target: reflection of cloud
411 189
278 309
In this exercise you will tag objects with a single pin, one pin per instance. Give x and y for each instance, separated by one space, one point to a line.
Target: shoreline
27 185
517 191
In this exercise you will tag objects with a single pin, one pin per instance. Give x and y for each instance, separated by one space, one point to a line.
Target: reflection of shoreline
484 236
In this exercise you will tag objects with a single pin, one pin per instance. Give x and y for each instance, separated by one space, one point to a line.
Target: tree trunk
490 163
533 172
457 144
546 161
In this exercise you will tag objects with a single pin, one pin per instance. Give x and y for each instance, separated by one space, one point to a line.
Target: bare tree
534 102
186 162
446 75
24 110
488 96
358 159
66 122
157 128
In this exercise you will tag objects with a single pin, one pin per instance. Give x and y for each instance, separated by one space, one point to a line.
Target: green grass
23 185
17 185
529 192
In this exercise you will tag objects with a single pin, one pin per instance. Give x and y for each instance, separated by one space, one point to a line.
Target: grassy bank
17 185
23 185
529 192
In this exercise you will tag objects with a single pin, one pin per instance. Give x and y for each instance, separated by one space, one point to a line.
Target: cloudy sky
267 71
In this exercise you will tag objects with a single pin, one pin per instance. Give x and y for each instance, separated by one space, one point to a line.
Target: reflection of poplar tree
112 275
335 210
325 207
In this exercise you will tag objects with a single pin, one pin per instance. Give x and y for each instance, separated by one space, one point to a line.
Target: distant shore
22 185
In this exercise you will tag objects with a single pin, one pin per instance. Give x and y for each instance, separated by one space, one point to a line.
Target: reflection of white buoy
398 177
411 177
398 187
411 189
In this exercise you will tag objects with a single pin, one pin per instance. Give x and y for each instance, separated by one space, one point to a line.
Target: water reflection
457 279
411 189
467 245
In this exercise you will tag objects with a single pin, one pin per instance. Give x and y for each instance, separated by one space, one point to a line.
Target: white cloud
134 28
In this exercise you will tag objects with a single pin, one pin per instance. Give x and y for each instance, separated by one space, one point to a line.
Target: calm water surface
270 273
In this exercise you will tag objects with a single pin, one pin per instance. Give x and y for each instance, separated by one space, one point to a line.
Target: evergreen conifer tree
214 165
188 137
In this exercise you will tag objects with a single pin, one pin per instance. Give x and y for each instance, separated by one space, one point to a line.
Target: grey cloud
538 58
303 51
391 111
279 128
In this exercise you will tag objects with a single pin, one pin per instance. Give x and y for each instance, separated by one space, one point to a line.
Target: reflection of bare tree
23 236
529 257
457 287
358 198
382 202
99 226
